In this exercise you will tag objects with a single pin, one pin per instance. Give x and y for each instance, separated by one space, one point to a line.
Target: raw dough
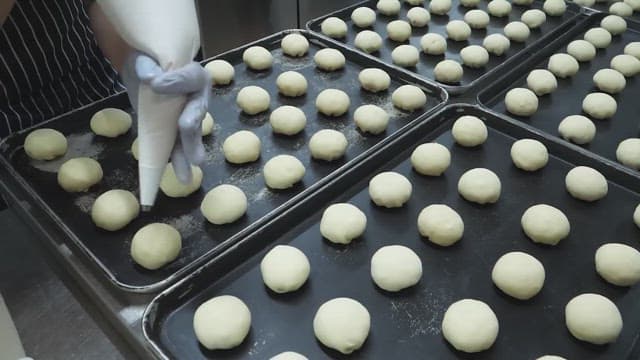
542 82
334 27
390 189
587 3
621 9
521 102
599 105
581 50
529 154
172 187
207 124
609 80
563 65
469 3
371 118
368 41
363 17
294 45
79 174
284 269
241 147
433 44
253 99
627 65
534 18
374 80
628 153
499 8
551 357
333 102
224 204
290 355
477 19
342 324
635 4
291 83
517 31
440 7
469 131
405 56
619 264
554 7
388 7
636 216
282 172
155 245
593 318
221 71
480 185
578 129
614 24
222 322
114 209
329 59
448 71
474 56
545 224
409 97
257 58
328 145
496 44
586 183
395 267
470 325
134 148
599 37
633 49
458 30
287 120
519 275
110 122
343 222
440 224
431 159
418 16
399 30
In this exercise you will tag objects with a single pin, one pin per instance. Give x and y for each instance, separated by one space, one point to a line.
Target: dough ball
222 322
627 65
448 71
405 56
469 3
409 98
333 102
287 120
433 44
294 45
474 56
628 153
172 187
521 102
363 17
593 318
577 129
542 82
480 185
79 174
636 216
598 37
207 124
343 222
418 16
329 59
519 275
342 324
395 267
633 49
253 99
581 50
290 355
554 7
551 357
609 80
619 264
477 19
496 44
440 224
399 30
635 4
534 18
371 119
599 105
431 159
586 183
374 80
614 24
563 65
241 147
291 83
469 131
499 8
587 3
257 58
283 171
388 7
621 9
134 148
221 72
284 269
328 145
440 7
529 154
155 245
470 325
224 204
114 209
390 189
334 27
517 31
110 122
368 41
458 30
545 224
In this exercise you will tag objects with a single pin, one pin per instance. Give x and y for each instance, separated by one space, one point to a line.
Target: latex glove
191 81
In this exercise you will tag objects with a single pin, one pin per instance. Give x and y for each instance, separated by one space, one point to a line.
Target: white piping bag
168 31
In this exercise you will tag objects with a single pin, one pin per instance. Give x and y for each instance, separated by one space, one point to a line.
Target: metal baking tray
406 325
427 63
201 240
567 99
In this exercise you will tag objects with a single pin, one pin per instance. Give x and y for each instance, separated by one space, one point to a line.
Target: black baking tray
201 240
427 63
567 99
406 325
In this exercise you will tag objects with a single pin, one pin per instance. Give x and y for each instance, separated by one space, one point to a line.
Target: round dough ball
609 80
292 84
519 275
545 224
334 27
390 189
563 65
440 7
521 102
593 318
284 269
469 131
405 56
635 4
399 30
499 8
283 171
328 145
480 185
529 154
621 9
551 357
343 222
222 322
114 209
633 49
290 355
586 183
241 147
79 174
134 148
155 245
554 7
172 187
440 224
469 3
517 31
627 65
474 56
371 119
333 102
409 97
329 59
287 120
496 44
363 17
294 45
636 216
207 124
619 264
470 325
224 204
477 19
253 99
577 129
221 72
599 105
431 159
542 82
598 37
388 7
110 122
257 58
614 24
587 3
342 324
534 18
418 16
374 80
433 44
448 71
458 30
581 50
368 41
628 153
395 267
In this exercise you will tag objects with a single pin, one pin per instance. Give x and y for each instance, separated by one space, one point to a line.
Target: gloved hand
191 81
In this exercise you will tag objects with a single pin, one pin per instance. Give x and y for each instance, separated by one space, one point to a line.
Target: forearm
109 41
5 9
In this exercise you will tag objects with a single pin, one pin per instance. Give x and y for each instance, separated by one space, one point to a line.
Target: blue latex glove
191 81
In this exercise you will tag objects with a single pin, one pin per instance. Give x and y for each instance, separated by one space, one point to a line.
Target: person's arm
113 47
5 9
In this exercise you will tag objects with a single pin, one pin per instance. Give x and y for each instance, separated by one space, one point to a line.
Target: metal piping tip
146 208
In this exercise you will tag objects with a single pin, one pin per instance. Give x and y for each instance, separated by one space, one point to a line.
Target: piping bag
166 30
